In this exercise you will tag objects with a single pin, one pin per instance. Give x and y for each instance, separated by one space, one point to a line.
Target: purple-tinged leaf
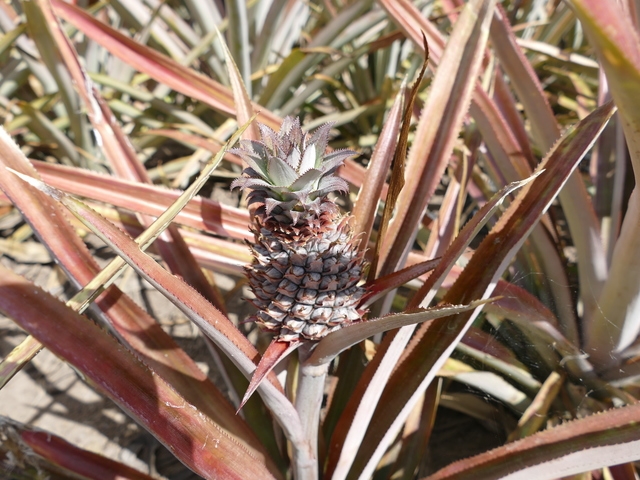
191 435
275 352
156 65
331 184
500 139
545 128
428 290
576 204
122 156
440 121
411 20
320 139
199 213
597 441
448 104
615 322
507 105
397 181
435 340
246 182
354 173
193 140
76 460
382 285
418 430
518 304
218 327
335 342
133 325
269 136
333 160
366 205
210 321
217 254
446 225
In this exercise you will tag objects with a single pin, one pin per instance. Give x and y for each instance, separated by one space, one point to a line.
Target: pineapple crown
289 174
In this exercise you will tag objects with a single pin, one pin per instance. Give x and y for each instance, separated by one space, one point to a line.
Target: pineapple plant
307 265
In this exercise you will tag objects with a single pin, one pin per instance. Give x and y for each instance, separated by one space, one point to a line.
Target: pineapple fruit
307 266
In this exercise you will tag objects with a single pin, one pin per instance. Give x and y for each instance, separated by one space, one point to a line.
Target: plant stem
309 399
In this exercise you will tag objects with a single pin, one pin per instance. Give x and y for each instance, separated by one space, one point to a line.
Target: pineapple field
325 239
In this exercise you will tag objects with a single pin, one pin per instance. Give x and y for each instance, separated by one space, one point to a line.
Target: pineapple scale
306 287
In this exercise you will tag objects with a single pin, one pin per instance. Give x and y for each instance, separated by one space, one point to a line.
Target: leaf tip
275 352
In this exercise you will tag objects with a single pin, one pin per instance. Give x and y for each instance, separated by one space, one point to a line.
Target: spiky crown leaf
288 173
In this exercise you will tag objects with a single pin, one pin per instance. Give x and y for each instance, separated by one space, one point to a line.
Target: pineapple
307 266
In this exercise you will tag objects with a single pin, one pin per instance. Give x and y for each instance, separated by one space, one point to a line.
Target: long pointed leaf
601 440
398 167
240 82
361 405
435 340
383 285
338 341
448 102
200 213
577 206
275 352
192 436
366 205
81 462
616 317
155 64
122 156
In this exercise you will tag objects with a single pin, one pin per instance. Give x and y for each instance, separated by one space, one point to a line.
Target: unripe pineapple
307 268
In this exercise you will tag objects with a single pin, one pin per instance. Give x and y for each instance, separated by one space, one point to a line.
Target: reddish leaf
375 178
82 462
440 121
597 441
275 352
192 436
200 213
397 169
576 204
212 323
132 324
122 157
156 65
194 140
435 340
382 285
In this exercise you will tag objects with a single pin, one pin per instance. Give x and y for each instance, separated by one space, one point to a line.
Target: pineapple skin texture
306 285
307 265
